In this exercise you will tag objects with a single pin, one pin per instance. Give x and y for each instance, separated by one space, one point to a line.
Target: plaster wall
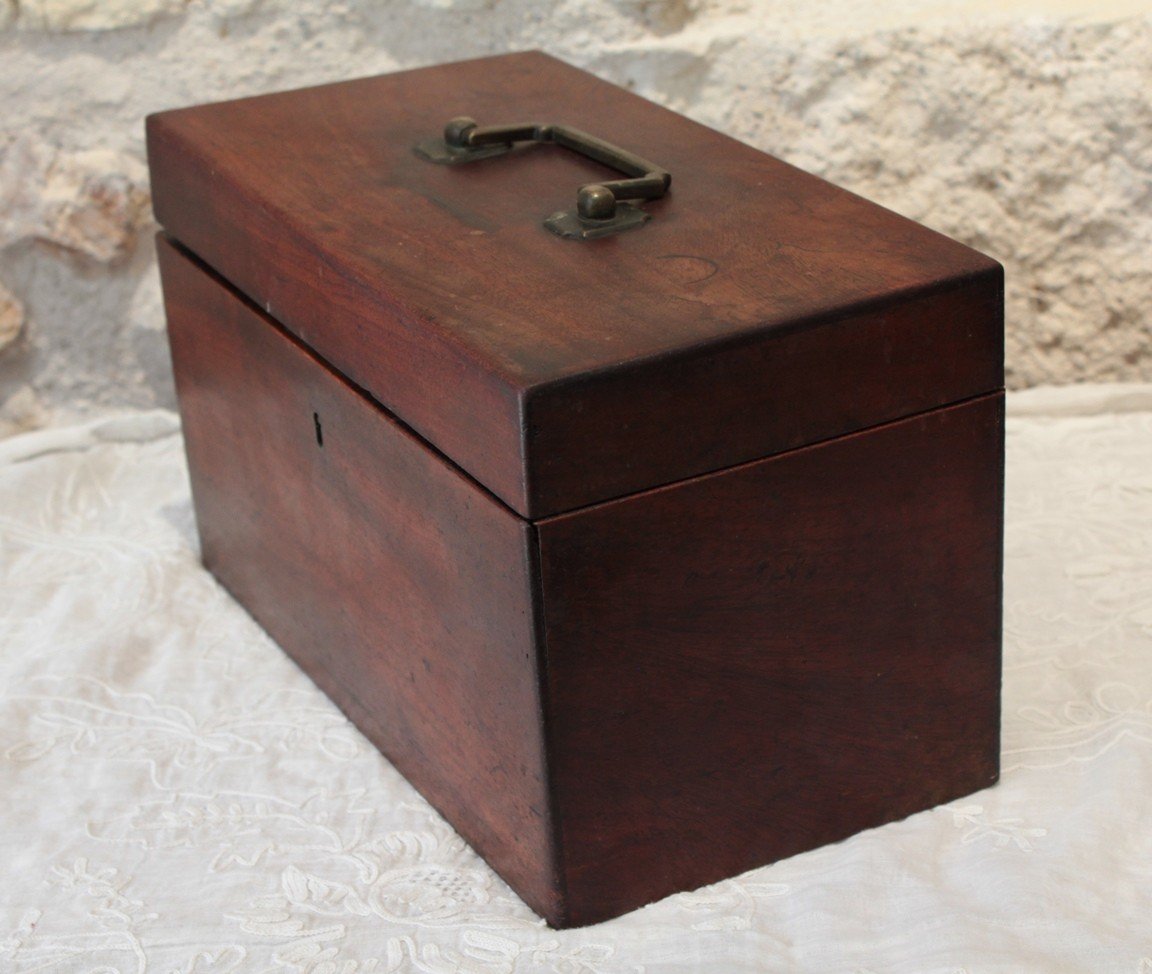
1021 127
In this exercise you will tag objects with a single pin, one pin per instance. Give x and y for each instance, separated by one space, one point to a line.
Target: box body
635 698
648 559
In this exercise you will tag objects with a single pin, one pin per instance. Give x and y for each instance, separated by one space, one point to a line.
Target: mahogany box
652 531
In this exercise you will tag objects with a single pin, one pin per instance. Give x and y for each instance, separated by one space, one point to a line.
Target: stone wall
1023 130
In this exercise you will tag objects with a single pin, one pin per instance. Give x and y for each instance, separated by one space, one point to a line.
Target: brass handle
600 207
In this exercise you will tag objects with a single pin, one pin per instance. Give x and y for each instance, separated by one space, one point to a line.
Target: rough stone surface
59 15
1023 127
92 203
23 411
11 318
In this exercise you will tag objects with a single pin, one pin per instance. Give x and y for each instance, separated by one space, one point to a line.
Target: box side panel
402 589
754 663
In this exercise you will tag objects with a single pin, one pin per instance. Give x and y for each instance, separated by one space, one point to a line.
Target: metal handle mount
600 207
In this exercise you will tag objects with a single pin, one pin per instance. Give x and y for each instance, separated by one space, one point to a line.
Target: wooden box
649 554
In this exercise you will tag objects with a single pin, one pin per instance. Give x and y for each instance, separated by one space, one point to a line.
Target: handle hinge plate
570 224
443 154
601 208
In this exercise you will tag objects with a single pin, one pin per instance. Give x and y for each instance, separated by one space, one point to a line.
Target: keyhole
319 429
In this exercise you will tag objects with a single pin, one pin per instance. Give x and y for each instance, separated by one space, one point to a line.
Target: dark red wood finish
632 699
400 588
613 689
754 663
761 308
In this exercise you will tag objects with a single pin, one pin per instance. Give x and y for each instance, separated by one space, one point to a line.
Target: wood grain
429 444
758 662
628 700
400 588
760 309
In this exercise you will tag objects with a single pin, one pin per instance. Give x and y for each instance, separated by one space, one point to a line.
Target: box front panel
397 585
754 663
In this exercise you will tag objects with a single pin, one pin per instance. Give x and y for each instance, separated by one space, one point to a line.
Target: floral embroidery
177 798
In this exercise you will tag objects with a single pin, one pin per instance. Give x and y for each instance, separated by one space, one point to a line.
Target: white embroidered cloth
175 796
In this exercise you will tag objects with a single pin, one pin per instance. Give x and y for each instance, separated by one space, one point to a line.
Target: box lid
759 309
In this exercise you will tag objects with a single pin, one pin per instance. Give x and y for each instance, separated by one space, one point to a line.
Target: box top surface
760 308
